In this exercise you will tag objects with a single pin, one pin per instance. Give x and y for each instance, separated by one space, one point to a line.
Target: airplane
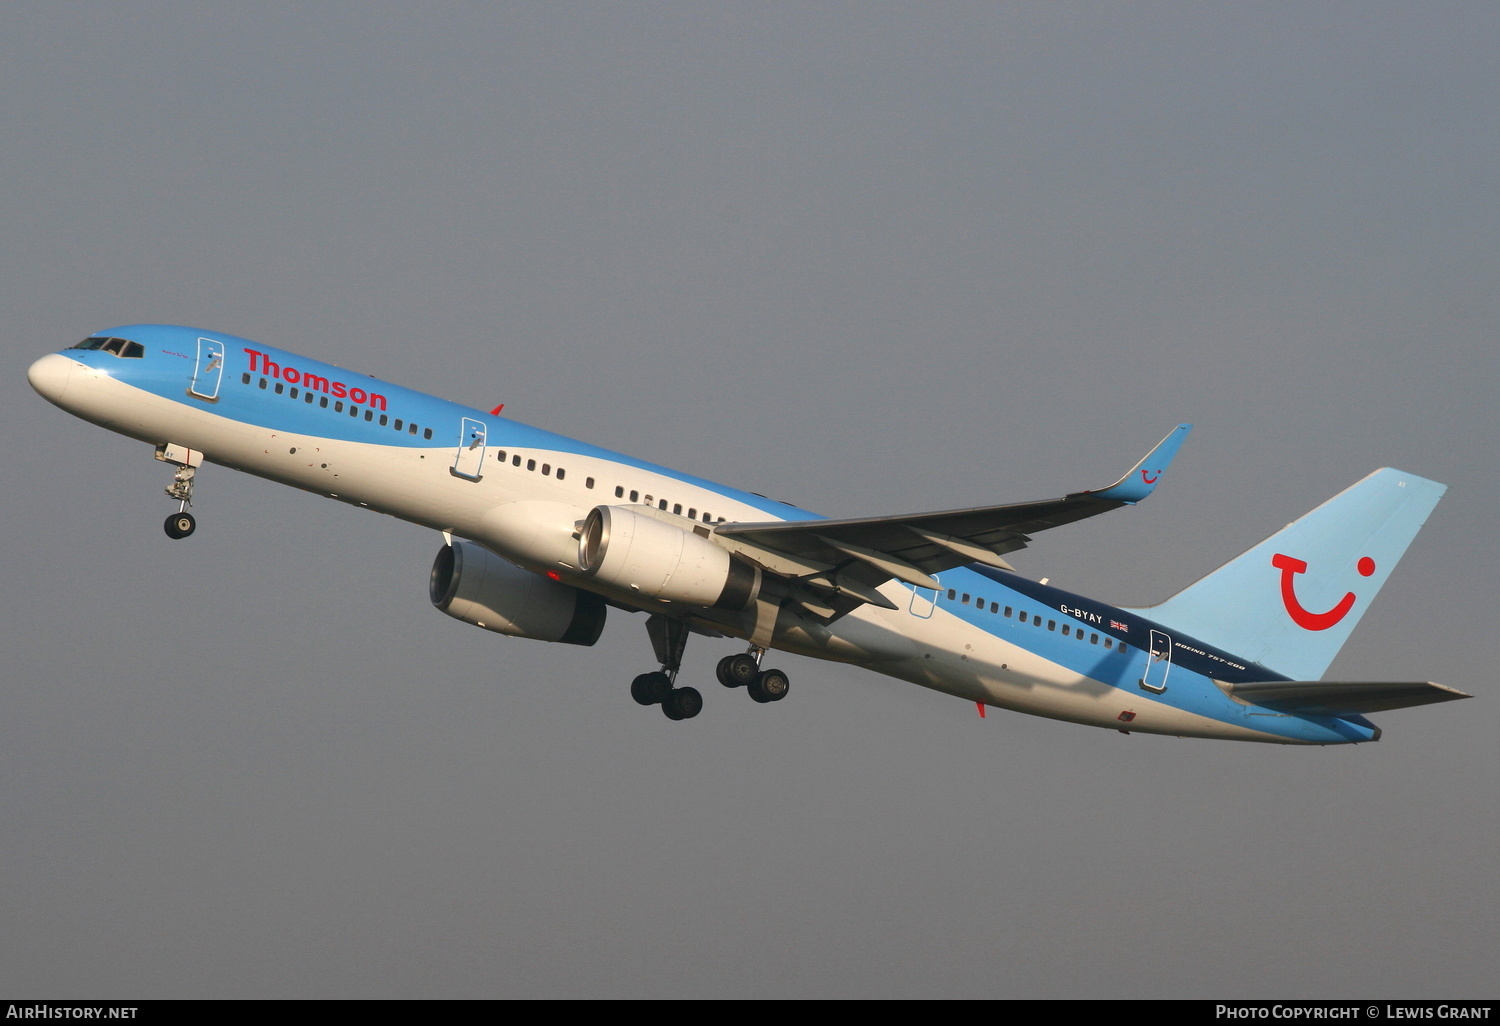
544 535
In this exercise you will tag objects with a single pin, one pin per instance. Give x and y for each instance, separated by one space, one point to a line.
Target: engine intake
640 553
472 584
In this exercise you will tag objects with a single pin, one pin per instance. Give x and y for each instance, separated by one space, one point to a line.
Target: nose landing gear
182 523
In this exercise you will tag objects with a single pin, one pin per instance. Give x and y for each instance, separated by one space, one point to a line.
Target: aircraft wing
854 557
1339 697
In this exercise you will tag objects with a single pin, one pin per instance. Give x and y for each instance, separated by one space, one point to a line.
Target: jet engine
637 552
472 584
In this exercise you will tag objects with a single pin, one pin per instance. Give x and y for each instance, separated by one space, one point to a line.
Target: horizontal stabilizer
1341 697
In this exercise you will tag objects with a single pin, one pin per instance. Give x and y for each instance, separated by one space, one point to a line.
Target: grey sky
868 258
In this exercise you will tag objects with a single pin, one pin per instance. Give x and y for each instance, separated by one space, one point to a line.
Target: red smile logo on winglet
1290 566
1150 480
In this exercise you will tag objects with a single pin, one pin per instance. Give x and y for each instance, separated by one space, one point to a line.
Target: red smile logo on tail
1290 566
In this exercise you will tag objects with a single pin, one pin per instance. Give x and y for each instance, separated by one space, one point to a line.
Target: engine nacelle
472 584
636 552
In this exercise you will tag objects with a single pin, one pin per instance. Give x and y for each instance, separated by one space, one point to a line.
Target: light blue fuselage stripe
1190 687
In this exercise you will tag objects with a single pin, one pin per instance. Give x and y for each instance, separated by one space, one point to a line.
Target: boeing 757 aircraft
544 535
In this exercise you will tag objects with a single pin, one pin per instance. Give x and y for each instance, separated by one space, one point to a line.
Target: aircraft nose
50 376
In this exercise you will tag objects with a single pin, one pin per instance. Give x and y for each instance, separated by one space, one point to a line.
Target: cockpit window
118 346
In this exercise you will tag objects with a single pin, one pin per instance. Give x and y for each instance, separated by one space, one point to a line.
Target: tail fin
1291 602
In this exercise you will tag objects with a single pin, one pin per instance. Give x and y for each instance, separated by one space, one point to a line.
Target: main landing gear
668 640
656 689
182 523
743 671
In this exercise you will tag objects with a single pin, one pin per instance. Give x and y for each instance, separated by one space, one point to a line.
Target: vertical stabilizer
1291 602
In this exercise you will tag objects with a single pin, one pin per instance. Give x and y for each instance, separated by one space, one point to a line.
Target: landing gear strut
182 523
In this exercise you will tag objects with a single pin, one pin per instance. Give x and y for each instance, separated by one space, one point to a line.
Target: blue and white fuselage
901 595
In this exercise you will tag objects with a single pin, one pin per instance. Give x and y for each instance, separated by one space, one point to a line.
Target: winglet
1141 480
